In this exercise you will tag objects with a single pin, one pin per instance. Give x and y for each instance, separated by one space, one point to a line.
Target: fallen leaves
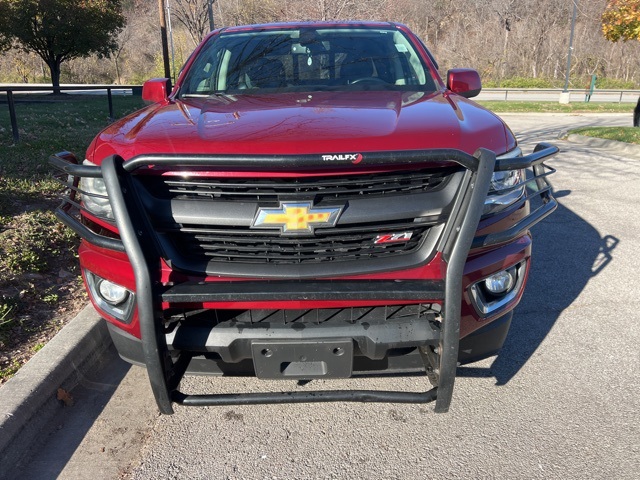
65 397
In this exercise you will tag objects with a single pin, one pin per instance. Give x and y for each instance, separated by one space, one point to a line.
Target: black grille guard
138 241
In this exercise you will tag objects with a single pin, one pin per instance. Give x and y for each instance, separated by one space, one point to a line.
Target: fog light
500 282
110 297
112 293
495 293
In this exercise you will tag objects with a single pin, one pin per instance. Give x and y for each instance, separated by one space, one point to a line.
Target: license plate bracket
303 360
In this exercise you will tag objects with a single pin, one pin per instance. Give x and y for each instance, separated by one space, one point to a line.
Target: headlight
502 192
94 196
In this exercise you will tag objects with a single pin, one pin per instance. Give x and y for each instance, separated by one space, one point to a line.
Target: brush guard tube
139 243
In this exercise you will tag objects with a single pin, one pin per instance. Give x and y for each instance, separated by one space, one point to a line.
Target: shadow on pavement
567 253
62 437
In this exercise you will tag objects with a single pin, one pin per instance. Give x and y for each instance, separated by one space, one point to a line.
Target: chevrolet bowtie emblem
296 217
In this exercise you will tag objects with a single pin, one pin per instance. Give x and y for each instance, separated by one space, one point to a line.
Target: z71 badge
393 238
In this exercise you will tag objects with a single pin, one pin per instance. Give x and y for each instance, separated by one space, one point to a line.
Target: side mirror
464 81
155 90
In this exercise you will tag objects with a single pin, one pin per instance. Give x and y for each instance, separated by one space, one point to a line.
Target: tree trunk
505 51
115 59
54 68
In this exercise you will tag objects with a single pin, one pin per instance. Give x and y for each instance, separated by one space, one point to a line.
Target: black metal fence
33 89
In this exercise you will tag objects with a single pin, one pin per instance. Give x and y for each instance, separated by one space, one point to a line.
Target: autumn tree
621 20
60 30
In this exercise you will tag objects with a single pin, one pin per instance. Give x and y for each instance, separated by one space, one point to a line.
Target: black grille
338 315
342 187
318 316
243 245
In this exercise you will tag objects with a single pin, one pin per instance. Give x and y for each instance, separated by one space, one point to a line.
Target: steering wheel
369 80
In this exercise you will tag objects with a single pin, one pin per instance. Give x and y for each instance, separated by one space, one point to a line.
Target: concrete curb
28 401
621 148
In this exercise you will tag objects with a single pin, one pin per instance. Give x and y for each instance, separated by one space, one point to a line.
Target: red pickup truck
310 200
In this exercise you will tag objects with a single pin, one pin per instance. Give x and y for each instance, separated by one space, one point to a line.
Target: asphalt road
561 401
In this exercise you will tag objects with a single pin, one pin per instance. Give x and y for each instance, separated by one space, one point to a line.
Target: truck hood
305 123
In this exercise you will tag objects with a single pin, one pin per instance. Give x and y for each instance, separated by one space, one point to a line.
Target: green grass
5 313
621 134
29 233
555 107
10 371
47 125
37 252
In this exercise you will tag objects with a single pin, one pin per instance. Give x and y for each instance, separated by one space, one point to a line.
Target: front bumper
480 344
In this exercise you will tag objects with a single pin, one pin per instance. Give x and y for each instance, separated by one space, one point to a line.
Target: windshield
307 59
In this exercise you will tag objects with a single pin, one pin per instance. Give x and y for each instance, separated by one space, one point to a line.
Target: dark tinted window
307 60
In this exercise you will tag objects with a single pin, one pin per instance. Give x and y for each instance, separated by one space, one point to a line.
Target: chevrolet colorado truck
310 200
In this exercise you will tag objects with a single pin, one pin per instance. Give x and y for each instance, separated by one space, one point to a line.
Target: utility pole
165 44
565 95
173 53
210 9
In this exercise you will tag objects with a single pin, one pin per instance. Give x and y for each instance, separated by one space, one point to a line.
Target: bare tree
333 10
194 16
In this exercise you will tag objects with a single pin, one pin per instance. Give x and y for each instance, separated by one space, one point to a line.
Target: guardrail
108 89
597 95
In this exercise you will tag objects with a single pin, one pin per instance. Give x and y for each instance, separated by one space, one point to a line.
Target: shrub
521 82
615 84
574 83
